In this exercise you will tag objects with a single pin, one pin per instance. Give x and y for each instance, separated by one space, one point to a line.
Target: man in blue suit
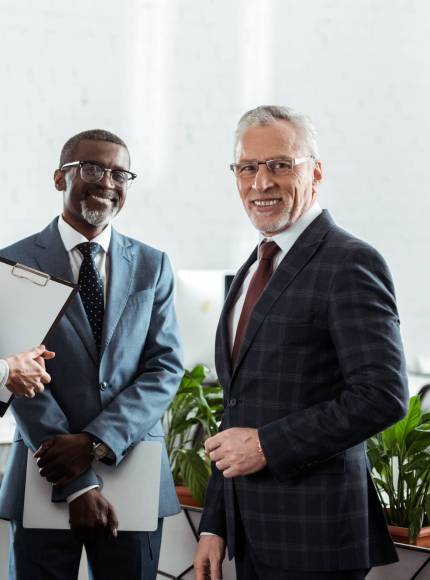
117 367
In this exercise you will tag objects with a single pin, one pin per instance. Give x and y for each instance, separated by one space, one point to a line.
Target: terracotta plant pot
401 535
185 496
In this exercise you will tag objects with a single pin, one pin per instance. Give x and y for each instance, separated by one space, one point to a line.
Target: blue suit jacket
120 398
320 369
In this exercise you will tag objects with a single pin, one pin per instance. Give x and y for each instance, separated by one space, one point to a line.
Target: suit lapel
223 355
295 260
52 257
120 280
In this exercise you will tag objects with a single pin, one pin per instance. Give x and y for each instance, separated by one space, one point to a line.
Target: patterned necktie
256 286
91 289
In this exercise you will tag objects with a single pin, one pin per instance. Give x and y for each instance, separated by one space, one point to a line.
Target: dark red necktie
256 286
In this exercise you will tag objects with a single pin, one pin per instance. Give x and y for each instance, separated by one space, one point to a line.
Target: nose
107 180
263 179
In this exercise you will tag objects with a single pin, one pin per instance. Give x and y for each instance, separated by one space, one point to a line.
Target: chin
273 227
95 217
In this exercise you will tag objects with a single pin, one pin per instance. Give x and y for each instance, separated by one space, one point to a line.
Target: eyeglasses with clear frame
281 166
92 172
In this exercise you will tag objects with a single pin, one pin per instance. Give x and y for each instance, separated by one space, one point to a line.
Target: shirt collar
71 237
288 237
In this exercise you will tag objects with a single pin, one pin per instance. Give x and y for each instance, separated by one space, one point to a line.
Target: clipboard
132 487
31 304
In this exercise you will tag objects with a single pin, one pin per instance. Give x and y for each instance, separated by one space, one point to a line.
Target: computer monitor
199 300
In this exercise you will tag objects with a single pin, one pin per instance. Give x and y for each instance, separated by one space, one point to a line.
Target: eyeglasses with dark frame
93 172
281 166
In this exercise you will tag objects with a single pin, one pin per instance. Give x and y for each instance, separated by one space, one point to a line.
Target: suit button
103 385
232 403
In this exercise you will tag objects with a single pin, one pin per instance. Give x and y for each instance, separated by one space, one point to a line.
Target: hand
236 451
209 557
27 372
92 517
64 457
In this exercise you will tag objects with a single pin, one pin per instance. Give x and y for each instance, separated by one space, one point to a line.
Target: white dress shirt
71 238
285 241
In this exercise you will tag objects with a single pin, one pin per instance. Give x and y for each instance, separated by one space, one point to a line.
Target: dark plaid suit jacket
321 369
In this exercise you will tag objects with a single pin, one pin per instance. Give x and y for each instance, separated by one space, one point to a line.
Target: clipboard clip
31 274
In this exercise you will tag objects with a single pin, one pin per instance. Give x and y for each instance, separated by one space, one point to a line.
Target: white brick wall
173 76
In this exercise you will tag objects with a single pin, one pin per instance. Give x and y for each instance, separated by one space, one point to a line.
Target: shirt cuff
4 373
77 494
207 534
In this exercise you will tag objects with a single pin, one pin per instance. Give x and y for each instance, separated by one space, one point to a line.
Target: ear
318 174
60 180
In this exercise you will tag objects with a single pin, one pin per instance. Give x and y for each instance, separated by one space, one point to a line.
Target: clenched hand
236 451
64 457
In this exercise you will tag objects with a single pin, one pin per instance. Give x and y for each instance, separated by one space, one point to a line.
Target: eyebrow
115 167
267 159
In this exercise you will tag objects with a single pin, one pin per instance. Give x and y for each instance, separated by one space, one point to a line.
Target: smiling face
275 202
89 207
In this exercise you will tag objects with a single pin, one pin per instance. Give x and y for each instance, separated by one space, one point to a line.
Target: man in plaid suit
309 353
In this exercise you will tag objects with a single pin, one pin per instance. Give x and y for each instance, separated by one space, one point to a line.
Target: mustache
105 193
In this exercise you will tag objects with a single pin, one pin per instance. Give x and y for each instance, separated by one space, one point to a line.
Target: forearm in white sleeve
4 373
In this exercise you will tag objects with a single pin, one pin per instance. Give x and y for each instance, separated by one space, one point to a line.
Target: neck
87 230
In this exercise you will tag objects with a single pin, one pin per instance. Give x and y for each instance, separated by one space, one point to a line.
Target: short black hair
69 147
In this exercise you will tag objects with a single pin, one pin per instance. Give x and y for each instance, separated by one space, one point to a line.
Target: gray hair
268 114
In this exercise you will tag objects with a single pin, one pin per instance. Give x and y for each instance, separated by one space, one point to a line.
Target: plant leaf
199 373
195 472
415 522
417 440
389 438
410 421
427 505
192 416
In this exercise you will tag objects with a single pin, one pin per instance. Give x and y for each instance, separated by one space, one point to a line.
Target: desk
186 509
416 574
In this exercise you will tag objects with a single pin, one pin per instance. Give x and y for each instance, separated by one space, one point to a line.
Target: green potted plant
400 460
192 417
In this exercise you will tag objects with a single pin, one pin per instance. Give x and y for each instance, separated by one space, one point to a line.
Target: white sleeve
4 373
75 495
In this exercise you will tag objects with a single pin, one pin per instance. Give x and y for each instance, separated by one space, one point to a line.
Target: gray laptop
133 488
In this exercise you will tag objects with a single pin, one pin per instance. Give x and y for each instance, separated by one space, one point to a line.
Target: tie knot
268 250
89 249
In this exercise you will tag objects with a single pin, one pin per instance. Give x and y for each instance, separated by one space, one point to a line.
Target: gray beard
97 217
280 225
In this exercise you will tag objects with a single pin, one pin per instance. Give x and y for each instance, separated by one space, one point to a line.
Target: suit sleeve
40 419
364 328
213 517
138 407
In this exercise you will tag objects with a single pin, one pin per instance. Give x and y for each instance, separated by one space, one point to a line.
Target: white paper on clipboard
31 302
